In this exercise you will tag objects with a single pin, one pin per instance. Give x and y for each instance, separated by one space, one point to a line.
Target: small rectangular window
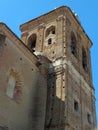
76 106
49 41
89 118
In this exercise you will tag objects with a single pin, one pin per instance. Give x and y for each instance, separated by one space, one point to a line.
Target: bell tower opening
32 42
50 30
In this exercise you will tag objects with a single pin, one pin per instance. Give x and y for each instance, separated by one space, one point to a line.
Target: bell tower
59 36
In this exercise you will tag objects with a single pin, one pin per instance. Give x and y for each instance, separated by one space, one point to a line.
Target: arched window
11 86
84 59
50 30
73 45
14 86
32 42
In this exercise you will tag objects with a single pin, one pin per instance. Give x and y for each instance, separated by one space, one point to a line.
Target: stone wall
22 107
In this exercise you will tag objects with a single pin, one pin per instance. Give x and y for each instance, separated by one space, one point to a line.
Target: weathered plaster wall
28 111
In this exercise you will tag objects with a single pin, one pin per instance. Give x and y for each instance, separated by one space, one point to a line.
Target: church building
46 77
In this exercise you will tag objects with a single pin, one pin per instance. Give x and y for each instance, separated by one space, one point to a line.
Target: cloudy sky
16 12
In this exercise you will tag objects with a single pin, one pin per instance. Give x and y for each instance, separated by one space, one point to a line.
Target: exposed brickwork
68 81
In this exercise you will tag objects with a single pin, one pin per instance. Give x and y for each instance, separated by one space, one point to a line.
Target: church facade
46 77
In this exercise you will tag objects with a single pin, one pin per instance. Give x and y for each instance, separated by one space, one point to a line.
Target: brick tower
59 36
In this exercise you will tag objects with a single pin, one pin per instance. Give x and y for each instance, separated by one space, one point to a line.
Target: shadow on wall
48 110
55 110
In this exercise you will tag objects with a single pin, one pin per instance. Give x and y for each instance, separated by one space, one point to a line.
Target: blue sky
16 12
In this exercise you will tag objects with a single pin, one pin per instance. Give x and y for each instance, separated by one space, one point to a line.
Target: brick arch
49 30
31 42
14 85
